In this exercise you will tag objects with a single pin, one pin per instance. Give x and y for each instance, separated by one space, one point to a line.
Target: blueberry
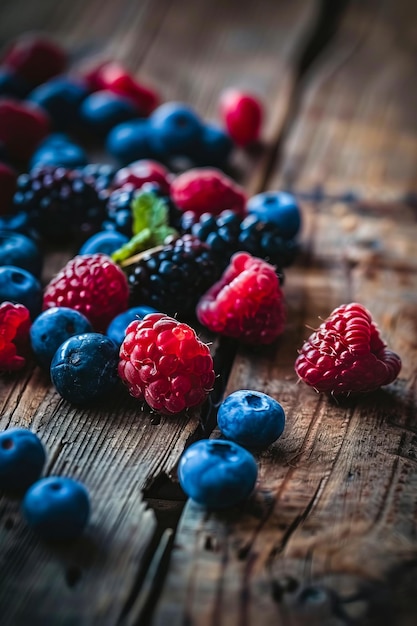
65 154
251 418
84 368
102 110
129 141
278 207
105 241
19 285
217 474
22 457
21 251
12 85
57 508
215 147
60 97
19 222
175 129
51 328
117 327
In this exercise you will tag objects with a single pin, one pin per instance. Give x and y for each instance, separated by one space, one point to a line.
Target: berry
12 85
22 458
8 182
346 354
61 98
163 362
51 328
114 77
20 251
58 150
228 233
214 148
172 279
100 175
102 110
105 241
251 418
143 171
19 286
242 115
61 203
14 335
35 59
246 303
116 330
57 508
84 368
217 474
22 128
129 141
93 285
207 190
175 129
277 207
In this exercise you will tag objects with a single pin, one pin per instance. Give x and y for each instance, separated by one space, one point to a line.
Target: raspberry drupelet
163 362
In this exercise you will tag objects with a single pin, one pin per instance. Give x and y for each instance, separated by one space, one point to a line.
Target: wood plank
117 450
355 129
332 521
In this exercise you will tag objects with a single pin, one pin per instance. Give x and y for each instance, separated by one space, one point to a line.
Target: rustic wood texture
189 51
355 129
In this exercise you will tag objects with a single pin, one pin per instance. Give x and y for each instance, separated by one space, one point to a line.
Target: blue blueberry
22 458
175 130
278 207
251 418
51 328
129 141
105 241
58 150
214 148
12 85
57 508
217 474
21 251
84 368
102 110
60 97
19 285
19 222
117 327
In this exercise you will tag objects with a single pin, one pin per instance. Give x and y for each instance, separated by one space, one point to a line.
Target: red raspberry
114 77
242 114
35 58
22 127
143 171
346 354
207 190
14 335
91 284
8 180
246 303
163 362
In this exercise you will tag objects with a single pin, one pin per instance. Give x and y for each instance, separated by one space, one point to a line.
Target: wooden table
330 535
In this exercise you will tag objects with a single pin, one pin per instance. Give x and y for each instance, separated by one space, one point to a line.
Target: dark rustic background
330 536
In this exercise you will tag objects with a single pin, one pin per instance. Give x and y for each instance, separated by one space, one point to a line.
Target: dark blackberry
119 208
227 233
101 175
172 278
61 204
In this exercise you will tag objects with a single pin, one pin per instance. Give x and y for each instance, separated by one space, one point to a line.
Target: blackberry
61 203
119 211
227 233
101 175
172 278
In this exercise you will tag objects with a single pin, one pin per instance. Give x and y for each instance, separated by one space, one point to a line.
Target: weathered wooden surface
329 537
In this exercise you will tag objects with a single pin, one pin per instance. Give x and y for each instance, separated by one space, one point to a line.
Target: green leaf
138 243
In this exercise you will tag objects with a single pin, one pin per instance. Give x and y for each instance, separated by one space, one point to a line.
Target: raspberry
91 284
14 335
163 362
143 171
246 303
22 128
346 354
207 190
242 115
36 59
